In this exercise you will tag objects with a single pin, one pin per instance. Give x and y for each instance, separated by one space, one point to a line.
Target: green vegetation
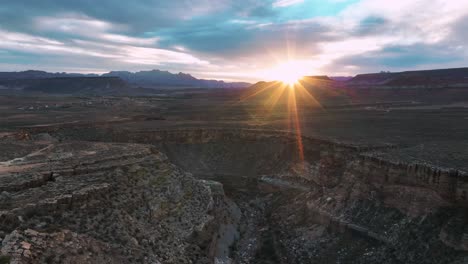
188 194
5 259
141 172
158 180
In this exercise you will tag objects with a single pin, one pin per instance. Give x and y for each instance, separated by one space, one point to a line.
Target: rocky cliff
255 197
106 203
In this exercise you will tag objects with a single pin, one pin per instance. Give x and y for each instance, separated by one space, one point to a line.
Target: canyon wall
260 152
332 197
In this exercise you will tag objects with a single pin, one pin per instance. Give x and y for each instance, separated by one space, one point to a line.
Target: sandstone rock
25 245
99 212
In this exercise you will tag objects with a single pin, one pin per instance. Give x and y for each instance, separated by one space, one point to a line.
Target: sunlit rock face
105 203
225 196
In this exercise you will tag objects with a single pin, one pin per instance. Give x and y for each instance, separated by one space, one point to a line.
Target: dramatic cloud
234 40
283 3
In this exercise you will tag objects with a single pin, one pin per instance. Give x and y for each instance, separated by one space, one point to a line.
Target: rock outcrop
226 196
106 203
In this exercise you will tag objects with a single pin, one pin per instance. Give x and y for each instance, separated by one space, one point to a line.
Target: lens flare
289 93
285 90
294 119
289 72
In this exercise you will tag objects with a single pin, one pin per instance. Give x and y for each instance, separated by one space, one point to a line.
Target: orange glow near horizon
293 96
286 90
294 119
289 72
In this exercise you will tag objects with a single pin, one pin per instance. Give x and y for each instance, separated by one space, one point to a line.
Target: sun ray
295 122
290 112
287 76
265 110
270 103
275 96
308 96
263 89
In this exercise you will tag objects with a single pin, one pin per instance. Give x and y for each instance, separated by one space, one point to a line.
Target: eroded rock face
106 203
336 206
251 199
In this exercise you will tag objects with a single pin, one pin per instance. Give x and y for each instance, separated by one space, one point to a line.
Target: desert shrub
5 259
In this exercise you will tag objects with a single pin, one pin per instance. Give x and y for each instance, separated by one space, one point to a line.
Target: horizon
174 72
225 40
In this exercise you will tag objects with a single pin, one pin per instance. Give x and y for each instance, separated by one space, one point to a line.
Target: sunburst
289 72
291 89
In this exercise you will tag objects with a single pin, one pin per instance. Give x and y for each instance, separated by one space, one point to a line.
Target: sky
248 40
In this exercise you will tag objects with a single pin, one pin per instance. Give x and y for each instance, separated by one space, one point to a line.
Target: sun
289 72
290 80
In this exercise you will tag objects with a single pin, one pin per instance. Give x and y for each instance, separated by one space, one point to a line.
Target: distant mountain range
78 85
31 74
150 82
157 78
409 87
455 77
145 79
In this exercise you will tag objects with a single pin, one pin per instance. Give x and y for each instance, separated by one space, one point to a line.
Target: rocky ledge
82 202
253 198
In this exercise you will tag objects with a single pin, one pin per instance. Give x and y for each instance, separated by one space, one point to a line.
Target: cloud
83 26
400 57
140 15
284 3
77 34
231 38
403 35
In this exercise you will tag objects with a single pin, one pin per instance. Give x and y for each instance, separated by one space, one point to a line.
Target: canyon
224 196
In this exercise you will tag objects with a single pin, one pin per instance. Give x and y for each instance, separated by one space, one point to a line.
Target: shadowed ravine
265 204
340 204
